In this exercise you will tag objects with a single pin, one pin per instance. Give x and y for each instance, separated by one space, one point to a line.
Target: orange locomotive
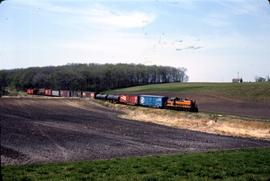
181 104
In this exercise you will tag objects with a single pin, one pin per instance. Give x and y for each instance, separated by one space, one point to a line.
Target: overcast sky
213 39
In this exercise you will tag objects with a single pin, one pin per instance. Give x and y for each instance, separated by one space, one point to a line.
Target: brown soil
56 130
233 106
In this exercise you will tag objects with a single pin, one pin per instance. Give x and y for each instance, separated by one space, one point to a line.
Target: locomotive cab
182 104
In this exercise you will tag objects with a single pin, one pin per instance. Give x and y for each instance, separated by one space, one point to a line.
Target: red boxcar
64 93
129 99
86 94
93 95
48 92
30 91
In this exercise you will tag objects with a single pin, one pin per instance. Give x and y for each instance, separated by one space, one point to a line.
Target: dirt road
56 130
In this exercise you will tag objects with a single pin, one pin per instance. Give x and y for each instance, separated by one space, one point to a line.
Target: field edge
241 164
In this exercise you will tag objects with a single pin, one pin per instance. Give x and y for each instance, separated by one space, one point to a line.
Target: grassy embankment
244 91
252 164
205 122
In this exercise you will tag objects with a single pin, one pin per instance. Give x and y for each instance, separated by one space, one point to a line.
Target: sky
214 39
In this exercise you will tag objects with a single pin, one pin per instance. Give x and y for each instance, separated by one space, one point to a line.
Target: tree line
90 77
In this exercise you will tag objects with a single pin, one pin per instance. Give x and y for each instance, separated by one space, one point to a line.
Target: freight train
155 101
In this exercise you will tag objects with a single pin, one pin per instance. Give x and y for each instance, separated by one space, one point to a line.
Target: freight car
75 93
86 94
113 98
64 93
129 99
48 92
140 100
182 104
93 95
153 101
41 92
101 96
30 91
56 93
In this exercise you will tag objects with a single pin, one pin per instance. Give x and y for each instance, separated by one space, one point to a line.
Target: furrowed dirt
56 130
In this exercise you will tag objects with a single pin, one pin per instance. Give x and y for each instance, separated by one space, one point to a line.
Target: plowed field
35 130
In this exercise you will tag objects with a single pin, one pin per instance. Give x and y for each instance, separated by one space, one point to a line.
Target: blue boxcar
153 101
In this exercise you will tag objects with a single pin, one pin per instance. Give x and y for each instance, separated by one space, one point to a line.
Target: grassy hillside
213 123
253 164
247 91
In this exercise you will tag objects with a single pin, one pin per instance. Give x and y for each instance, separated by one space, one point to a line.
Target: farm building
237 80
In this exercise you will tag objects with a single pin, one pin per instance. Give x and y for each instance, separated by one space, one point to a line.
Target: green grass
247 91
250 164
